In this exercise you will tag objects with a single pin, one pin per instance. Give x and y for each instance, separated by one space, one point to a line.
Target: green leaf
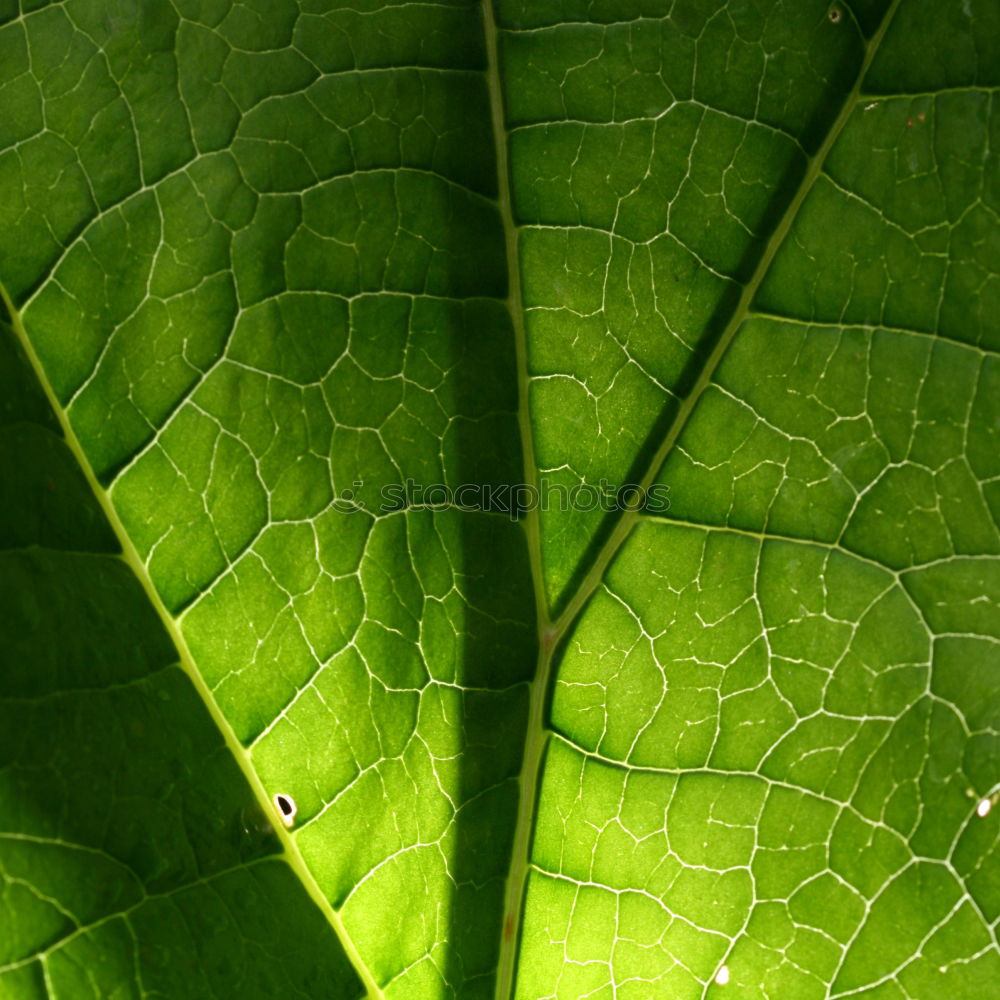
500 501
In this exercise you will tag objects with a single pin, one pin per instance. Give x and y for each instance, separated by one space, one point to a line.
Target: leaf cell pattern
279 261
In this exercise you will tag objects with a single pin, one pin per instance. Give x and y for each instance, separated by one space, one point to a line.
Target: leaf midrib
536 730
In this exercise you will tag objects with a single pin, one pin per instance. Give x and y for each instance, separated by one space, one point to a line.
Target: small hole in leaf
286 808
834 15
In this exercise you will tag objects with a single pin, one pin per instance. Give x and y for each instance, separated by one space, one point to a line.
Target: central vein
536 735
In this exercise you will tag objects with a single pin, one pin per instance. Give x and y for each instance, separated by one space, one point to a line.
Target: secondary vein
130 556
741 310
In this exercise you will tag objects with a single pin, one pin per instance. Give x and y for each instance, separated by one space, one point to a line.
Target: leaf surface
310 305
